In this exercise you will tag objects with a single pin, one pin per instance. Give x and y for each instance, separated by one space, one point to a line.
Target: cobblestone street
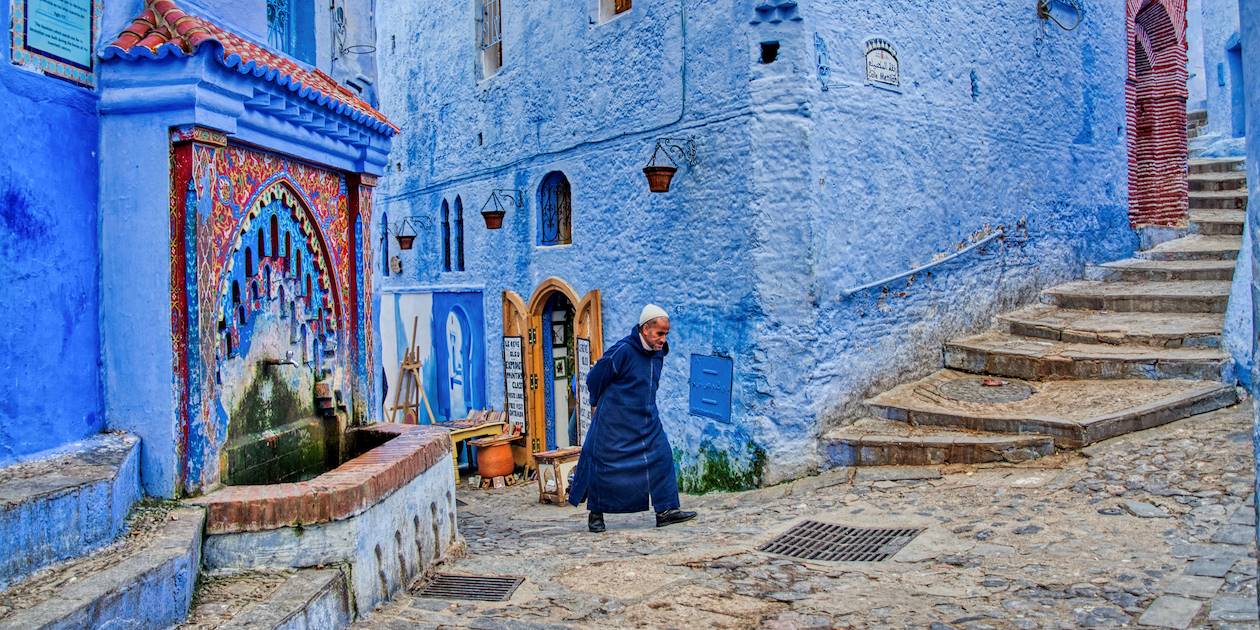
1155 528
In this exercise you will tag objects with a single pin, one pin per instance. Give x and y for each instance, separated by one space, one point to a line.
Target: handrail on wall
846 293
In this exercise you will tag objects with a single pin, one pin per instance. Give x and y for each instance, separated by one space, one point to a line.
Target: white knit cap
651 312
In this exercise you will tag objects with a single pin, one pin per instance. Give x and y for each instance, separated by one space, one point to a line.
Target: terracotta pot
494 458
494 219
404 242
659 177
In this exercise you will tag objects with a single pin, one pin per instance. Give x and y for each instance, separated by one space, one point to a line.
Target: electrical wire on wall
682 112
1045 11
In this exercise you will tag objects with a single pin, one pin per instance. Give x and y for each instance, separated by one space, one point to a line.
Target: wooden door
589 330
516 361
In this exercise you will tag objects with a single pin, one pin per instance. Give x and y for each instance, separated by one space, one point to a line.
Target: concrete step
1004 354
1137 269
1195 247
1200 296
1073 412
1214 182
145 580
875 442
1219 200
1217 222
303 599
1199 166
66 503
1162 330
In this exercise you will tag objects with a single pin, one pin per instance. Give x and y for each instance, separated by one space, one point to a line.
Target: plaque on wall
584 397
711 383
514 381
55 37
882 66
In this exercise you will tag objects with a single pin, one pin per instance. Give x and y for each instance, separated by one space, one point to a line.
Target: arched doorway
1156 102
561 336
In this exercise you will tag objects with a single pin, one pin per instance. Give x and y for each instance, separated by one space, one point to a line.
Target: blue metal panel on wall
711 379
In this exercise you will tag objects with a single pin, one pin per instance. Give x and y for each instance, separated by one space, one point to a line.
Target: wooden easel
410 381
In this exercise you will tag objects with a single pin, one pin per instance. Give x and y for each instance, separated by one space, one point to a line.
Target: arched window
262 249
555 210
236 292
459 234
446 236
385 243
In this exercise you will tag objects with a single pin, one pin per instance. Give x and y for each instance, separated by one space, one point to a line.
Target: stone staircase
1134 345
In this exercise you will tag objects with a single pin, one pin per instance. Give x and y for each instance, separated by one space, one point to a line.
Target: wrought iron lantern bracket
675 150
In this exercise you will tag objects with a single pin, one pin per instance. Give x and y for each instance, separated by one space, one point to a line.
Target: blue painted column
1249 15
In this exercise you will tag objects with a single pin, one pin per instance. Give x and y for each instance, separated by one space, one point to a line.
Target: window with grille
490 36
555 208
459 235
291 28
446 236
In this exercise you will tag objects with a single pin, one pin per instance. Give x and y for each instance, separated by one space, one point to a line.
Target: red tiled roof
164 29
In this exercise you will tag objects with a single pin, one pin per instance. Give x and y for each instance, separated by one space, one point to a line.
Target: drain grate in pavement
813 540
484 588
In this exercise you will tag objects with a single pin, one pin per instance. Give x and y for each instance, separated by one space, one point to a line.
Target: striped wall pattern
1155 107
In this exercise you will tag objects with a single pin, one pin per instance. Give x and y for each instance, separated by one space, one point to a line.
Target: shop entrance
562 337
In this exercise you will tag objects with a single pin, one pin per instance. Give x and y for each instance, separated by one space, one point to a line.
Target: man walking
626 457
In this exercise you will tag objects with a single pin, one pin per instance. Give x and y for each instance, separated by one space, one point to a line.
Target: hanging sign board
883 70
584 397
55 37
514 381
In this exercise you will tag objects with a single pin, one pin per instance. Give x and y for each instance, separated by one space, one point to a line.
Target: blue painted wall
1250 33
49 336
1220 31
799 193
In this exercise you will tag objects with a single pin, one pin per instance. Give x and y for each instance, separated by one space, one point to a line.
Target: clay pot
494 458
659 177
494 219
404 242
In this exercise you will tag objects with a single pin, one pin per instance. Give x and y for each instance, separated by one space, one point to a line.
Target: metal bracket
676 150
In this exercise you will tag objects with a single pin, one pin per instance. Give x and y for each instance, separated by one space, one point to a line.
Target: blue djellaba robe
626 457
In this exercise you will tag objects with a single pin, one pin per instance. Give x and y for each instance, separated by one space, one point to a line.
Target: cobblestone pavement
1155 528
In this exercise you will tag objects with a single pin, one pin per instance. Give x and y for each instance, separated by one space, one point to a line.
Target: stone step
1217 222
1073 412
1004 354
1212 182
1163 330
874 442
66 503
303 599
145 580
1219 200
1199 296
1216 165
1137 269
1195 247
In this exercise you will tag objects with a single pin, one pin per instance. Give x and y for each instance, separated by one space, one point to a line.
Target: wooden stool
553 470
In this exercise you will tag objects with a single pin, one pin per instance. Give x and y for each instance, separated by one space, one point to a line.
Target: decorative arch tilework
229 195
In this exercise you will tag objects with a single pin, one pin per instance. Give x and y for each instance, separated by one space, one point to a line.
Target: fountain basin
387 515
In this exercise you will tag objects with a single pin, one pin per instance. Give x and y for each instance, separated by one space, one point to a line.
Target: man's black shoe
595 522
669 517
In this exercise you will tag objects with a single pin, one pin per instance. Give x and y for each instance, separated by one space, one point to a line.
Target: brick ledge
337 494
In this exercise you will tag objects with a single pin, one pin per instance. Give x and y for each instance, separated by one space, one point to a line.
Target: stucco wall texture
49 336
799 193
1220 25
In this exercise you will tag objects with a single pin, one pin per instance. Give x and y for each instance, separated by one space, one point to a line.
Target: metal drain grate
812 540
484 588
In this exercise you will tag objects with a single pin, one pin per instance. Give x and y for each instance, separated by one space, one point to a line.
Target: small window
446 236
609 9
291 28
275 236
555 210
490 36
459 234
769 52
